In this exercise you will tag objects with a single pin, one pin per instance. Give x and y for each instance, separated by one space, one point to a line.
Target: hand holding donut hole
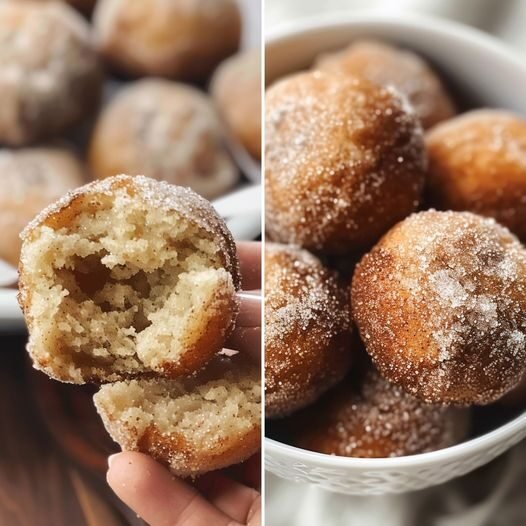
439 303
406 71
477 162
180 39
307 329
50 77
194 424
345 161
372 418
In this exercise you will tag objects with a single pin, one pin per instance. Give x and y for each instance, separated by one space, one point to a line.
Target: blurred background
491 496
503 19
83 99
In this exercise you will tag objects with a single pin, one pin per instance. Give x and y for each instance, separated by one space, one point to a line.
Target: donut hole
126 288
186 423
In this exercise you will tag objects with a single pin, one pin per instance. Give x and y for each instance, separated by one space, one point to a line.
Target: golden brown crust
344 159
185 454
477 162
406 71
182 40
307 329
236 89
375 419
439 303
167 131
51 77
185 461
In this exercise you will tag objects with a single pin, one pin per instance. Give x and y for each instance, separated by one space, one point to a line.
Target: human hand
216 498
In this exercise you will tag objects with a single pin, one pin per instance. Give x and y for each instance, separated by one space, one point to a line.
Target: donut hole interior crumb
205 415
122 285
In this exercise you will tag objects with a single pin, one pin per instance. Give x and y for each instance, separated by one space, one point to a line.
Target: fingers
249 254
249 310
247 334
157 497
230 497
247 341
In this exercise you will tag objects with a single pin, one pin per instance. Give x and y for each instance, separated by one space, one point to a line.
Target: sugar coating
236 90
125 277
196 424
307 329
439 303
387 65
50 76
167 131
32 178
477 162
344 161
183 39
377 419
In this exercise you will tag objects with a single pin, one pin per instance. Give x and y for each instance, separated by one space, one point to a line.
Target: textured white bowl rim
463 35
438 26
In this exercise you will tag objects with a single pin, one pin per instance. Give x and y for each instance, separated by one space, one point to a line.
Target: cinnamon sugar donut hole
50 77
376 419
477 162
194 424
307 329
236 89
345 160
31 179
127 277
406 71
180 39
167 131
439 303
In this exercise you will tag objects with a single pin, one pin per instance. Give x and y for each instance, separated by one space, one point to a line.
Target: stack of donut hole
60 55
377 190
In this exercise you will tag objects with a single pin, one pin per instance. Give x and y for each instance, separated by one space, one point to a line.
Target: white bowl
490 74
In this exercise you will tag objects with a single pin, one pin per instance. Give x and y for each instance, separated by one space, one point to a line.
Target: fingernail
111 458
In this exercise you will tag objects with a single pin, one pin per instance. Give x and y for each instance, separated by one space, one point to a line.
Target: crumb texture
194 425
124 277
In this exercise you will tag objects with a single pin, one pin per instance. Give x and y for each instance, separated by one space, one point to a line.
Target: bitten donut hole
185 423
124 288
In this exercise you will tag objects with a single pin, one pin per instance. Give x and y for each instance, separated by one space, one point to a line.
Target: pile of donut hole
386 204
97 88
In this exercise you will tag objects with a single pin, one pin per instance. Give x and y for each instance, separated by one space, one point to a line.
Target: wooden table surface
53 450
